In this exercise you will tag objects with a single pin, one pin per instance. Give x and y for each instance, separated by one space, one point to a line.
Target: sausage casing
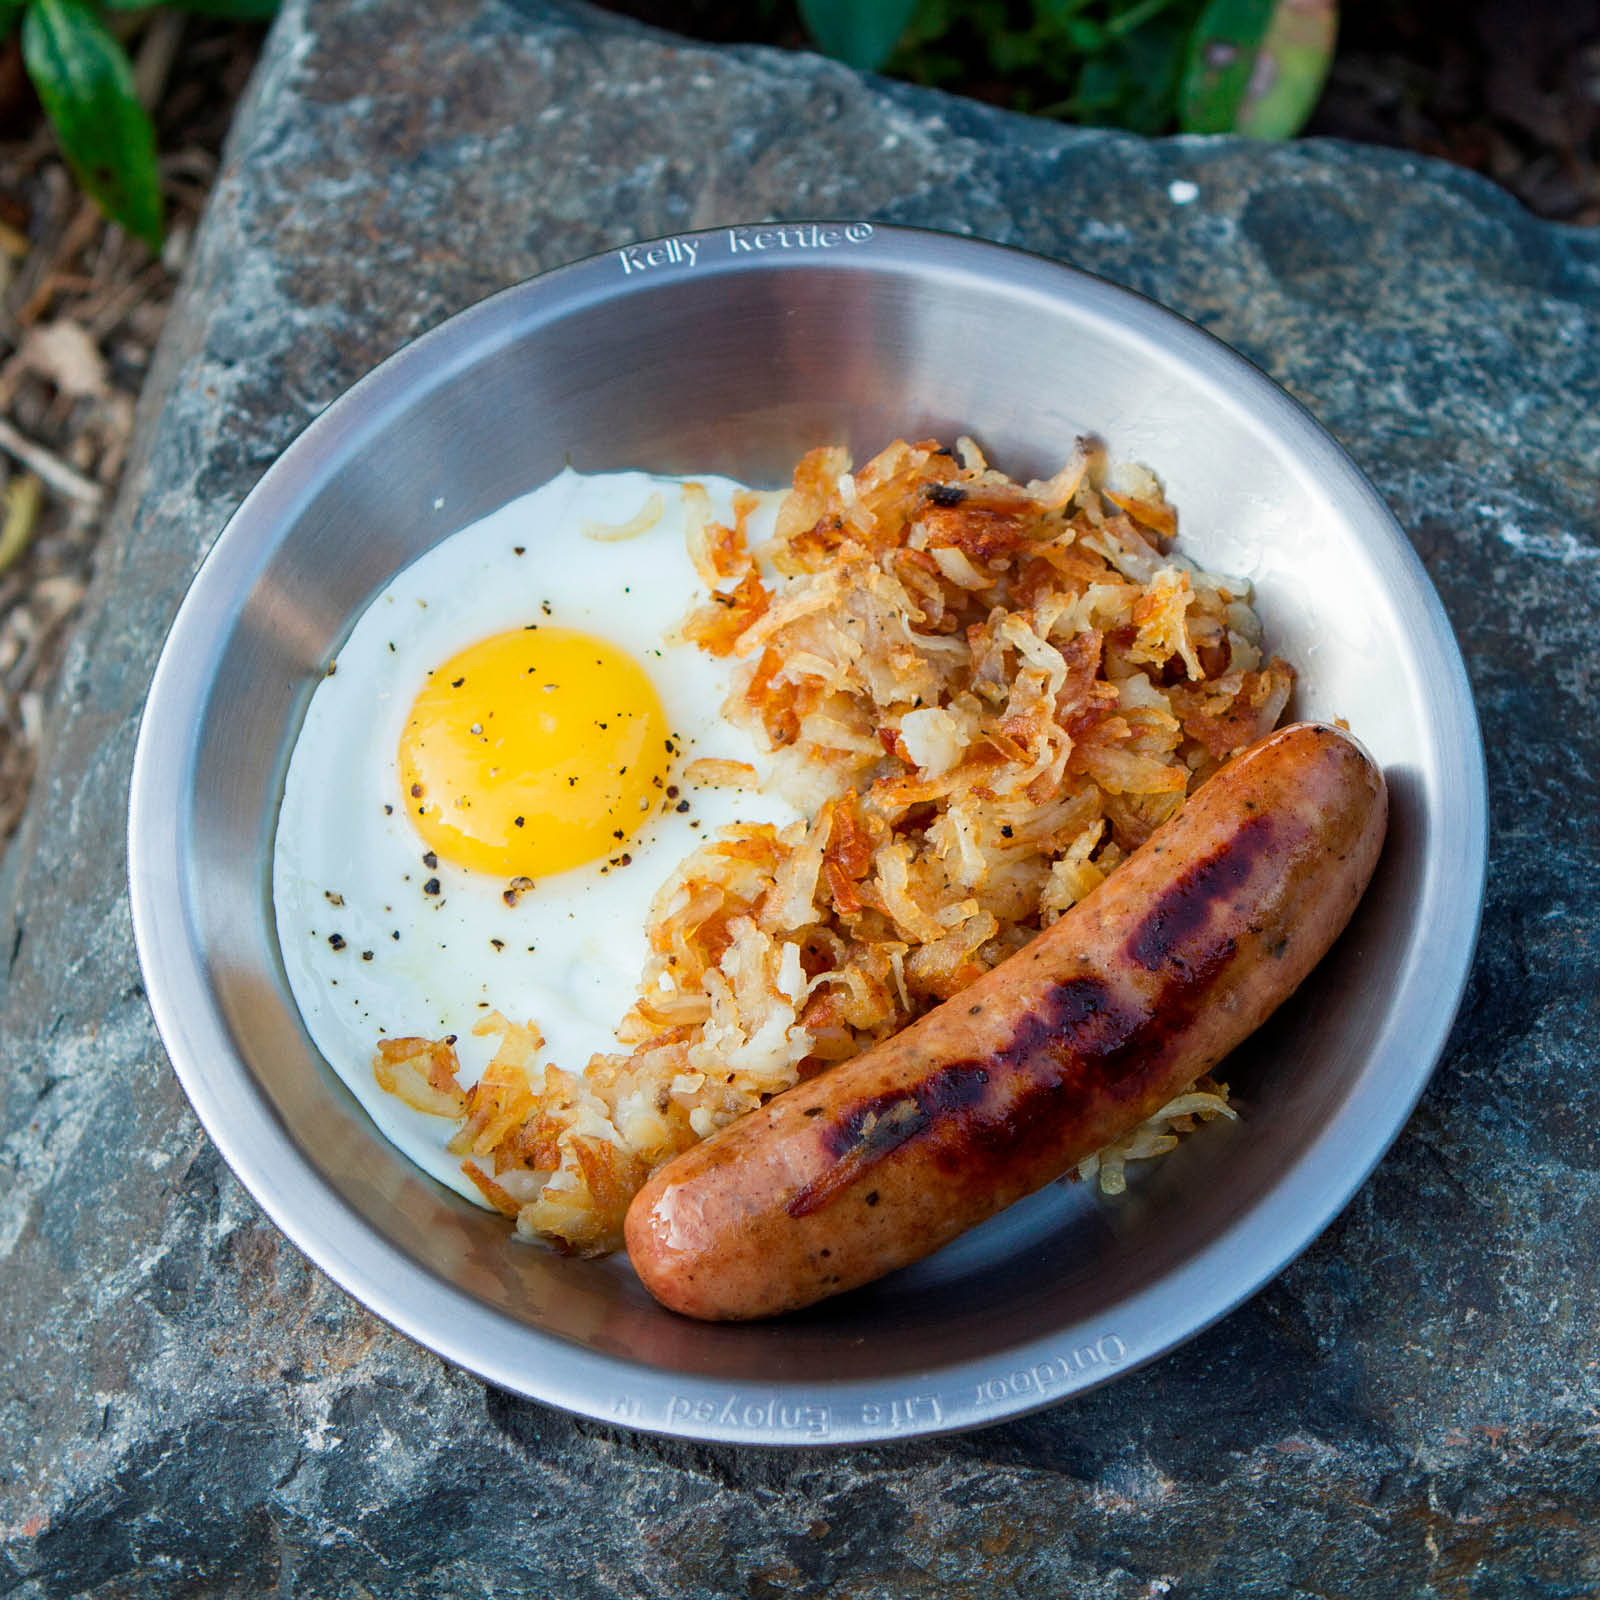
1061 1049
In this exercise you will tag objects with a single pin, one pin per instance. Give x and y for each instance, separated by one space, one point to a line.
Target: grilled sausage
1074 1040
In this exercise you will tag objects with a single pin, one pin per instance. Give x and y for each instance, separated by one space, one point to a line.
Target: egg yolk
532 752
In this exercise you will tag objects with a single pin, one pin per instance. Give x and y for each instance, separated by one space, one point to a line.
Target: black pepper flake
391 647
336 940
455 683
366 955
617 833
388 810
431 886
672 791
872 1198
519 549
499 944
518 821
572 783
544 606
395 936
430 860
332 898
1006 830
682 805
416 791
946 494
625 860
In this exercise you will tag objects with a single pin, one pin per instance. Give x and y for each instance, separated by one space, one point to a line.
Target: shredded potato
983 695
647 516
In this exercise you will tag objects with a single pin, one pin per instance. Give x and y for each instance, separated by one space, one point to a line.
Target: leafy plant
1257 66
1253 67
860 32
85 83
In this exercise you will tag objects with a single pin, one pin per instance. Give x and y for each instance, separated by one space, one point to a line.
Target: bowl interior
738 365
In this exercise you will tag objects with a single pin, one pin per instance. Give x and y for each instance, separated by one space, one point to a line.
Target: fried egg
487 790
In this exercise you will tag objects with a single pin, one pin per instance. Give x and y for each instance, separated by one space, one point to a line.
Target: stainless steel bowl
733 352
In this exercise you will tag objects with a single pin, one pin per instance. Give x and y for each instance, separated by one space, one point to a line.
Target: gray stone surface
1412 1409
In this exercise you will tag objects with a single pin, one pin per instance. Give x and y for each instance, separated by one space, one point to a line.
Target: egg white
367 952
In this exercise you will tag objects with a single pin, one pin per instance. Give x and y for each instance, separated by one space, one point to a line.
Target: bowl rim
258 1147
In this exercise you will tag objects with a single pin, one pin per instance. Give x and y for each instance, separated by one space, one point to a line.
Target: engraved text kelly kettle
743 241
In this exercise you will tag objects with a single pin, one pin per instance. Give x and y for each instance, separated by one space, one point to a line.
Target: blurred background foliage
1153 66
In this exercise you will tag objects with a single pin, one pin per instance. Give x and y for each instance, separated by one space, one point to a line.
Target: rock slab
1412 1409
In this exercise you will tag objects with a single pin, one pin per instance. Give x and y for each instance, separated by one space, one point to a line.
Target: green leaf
1153 59
85 84
1291 69
862 33
1256 66
1222 55
1083 35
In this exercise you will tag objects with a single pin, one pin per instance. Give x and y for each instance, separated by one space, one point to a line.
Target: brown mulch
1510 88
81 307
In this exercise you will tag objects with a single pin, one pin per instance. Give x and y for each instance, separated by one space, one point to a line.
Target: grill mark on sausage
871 1128
1081 1038
1012 1104
973 1104
1184 909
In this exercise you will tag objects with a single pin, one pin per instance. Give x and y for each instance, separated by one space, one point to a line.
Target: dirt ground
81 308
1510 88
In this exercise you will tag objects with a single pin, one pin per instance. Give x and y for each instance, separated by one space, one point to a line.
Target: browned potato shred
983 695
